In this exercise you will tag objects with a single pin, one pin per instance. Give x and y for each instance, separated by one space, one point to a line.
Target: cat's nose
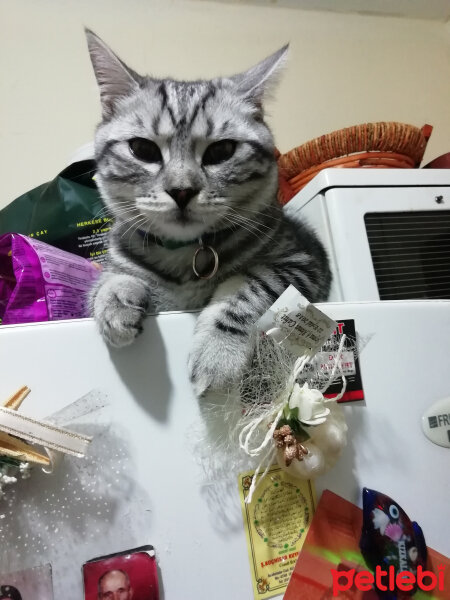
182 196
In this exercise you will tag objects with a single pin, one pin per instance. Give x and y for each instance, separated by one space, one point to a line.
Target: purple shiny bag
41 283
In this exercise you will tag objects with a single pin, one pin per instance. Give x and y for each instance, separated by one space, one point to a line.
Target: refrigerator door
141 483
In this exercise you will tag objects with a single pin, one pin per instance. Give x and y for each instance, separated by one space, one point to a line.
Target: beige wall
343 70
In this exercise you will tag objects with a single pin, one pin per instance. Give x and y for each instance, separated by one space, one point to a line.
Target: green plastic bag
66 212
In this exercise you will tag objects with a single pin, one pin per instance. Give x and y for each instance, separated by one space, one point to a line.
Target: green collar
214 238
201 269
169 244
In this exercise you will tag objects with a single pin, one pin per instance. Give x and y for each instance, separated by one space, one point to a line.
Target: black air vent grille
410 253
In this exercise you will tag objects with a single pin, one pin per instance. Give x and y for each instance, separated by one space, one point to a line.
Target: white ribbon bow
43 433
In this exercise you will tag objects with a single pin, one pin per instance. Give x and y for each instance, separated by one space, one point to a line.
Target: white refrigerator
142 482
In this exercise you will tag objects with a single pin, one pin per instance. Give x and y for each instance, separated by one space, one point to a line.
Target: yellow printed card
276 523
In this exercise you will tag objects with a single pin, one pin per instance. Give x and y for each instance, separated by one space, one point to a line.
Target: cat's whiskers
148 221
80 175
256 224
125 206
250 226
134 229
236 213
231 219
261 212
139 219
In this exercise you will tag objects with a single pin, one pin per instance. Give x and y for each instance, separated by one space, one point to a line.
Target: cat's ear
114 78
258 81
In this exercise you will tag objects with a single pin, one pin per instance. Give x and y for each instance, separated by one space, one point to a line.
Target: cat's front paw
119 306
218 358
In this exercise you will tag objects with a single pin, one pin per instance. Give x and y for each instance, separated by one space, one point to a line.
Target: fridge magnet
436 422
276 522
29 584
323 362
26 442
128 575
391 543
331 563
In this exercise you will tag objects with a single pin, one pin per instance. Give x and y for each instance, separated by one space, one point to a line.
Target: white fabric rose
310 404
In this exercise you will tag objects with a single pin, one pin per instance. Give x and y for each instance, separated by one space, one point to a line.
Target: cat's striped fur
233 208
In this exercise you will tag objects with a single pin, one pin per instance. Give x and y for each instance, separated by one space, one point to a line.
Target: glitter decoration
81 509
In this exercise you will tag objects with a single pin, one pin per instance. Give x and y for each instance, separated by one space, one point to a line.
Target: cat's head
180 159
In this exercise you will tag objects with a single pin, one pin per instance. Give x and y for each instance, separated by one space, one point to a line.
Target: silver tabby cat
183 165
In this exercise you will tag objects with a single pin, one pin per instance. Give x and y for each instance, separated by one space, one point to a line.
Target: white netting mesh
264 390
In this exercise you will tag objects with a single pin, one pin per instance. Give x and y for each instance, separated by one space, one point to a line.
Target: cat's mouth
182 218
173 222
177 225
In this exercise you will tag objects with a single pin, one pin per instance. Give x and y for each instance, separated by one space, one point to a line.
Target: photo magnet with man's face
128 575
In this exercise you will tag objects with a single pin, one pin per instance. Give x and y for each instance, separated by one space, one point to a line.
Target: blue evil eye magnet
390 539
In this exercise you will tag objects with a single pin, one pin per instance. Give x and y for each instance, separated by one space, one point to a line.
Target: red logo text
387 580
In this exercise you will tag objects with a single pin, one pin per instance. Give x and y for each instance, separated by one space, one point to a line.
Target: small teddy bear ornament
312 435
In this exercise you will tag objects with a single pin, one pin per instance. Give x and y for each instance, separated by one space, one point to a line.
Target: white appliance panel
335 203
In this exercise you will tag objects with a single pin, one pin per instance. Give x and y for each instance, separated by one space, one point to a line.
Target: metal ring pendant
213 271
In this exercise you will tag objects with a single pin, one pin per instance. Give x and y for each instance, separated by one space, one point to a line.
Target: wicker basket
371 145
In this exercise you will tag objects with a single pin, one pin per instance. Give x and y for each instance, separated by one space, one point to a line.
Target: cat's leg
224 335
119 303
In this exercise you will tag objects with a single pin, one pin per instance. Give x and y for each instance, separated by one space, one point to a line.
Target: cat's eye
145 150
219 152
